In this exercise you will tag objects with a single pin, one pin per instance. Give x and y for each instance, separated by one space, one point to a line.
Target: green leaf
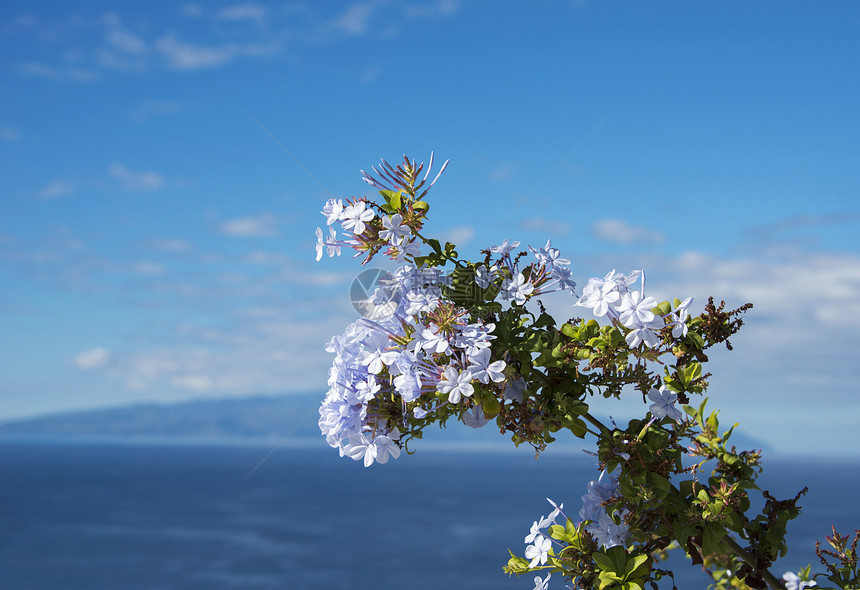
712 543
661 485
568 330
684 532
516 565
635 563
618 555
490 405
606 579
662 309
604 562
421 206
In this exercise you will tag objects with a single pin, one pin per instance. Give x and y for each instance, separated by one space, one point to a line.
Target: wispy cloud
440 8
239 31
765 233
94 358
135 181
169 245
265 351
150 109
458 235
502 173
246 11
619 231
56 188
262 225
546 226
74 74
355 20
266 258
370 74
148 268
9 134
125 41
193 382
181 55
192 10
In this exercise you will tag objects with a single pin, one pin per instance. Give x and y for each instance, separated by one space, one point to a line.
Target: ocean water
115 517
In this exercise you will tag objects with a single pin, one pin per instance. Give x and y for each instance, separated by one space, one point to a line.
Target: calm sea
90 517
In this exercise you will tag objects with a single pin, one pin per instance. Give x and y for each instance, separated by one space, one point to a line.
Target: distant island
290 418
258 417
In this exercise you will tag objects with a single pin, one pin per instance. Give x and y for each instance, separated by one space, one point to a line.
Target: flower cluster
548 272
370 228
462 343
607 529
414 347
613 297
538 543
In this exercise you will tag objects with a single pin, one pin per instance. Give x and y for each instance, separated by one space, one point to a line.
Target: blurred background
164 165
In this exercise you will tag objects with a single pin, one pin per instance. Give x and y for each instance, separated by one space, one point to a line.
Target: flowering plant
442 338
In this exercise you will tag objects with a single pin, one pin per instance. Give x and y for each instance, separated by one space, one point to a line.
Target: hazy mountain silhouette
268 418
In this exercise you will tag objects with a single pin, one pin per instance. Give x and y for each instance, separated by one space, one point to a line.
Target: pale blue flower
517 288
456 384
333 209
794 582
542 584
504 249
515 389
635 309
485 371
484 276
607 533
538 552
474 418
394 232
355 216
664 404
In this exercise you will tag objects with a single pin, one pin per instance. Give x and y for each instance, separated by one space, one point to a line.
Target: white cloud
149 109
193 382
180 55
457 235
92 359
169 245
27 20
262 225
265 351
820 288
192 10
53 73
136 181
546 226
125 41
441 8
148 268
619 231
57 188
83 56
9 134
502 172
266 258
355 19
242 12
370 74
315 278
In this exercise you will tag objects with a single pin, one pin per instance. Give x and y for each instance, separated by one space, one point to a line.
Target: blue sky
164 166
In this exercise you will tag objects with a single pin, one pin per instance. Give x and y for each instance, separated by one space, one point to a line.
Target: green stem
768 577
600 426
439 251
